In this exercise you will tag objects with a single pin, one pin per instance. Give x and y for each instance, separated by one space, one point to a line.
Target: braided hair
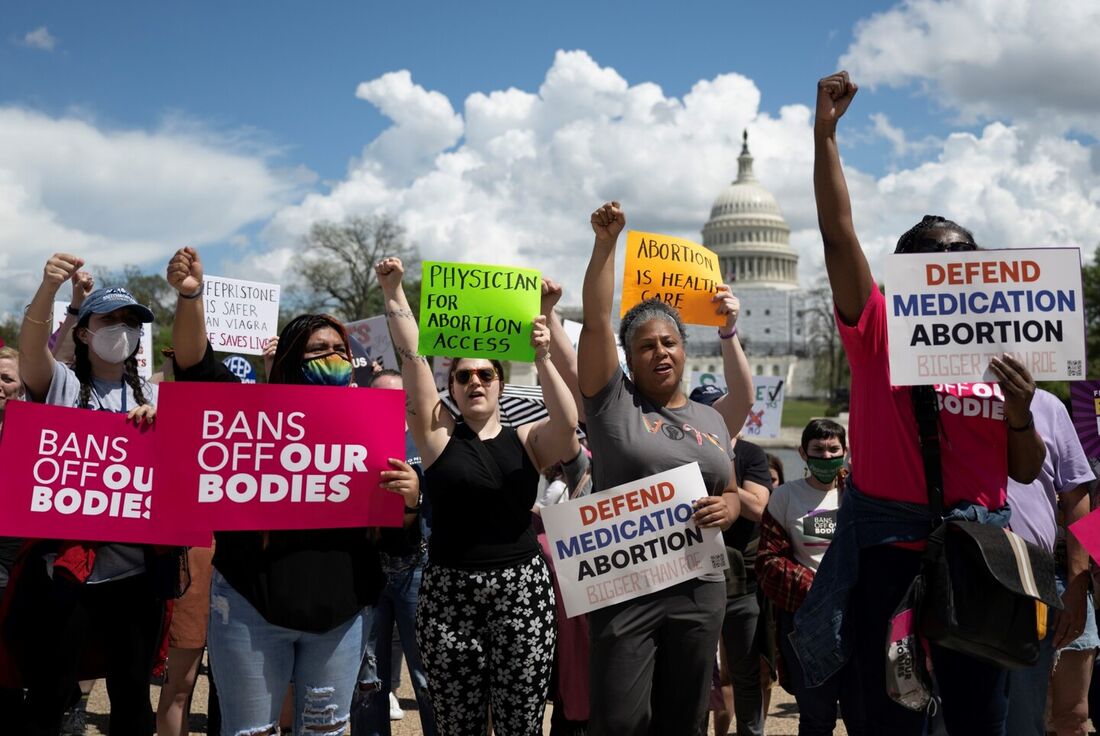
907 243
82 367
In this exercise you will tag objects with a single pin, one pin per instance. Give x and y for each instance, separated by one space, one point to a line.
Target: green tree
337 266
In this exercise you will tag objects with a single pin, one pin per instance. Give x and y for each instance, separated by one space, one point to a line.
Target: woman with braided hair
68 594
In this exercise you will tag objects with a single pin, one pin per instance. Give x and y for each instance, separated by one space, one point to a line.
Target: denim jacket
822 636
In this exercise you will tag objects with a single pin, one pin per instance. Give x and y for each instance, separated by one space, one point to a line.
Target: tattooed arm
428 419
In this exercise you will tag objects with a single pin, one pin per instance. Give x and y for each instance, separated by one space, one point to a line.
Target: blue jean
972 692
254 661
817 705
370 715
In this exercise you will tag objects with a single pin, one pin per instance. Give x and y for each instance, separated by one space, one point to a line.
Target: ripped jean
254 661
370 714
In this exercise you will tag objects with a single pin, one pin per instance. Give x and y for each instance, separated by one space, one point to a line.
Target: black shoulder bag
985 591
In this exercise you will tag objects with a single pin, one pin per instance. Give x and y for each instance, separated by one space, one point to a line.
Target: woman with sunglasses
285 606
884 520
485 620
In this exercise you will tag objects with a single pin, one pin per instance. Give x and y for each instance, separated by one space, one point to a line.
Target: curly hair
287 364
907 243
82 367
646 311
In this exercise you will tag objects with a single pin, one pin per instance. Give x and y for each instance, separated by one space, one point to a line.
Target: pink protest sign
263 457
81 474
1087 531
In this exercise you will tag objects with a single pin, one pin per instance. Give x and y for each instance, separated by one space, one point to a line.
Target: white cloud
40 38
119 197
1029 60
516 182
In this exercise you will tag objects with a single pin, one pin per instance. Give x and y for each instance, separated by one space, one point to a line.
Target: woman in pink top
986 435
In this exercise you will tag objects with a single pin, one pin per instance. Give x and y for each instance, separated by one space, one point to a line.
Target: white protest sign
948 314
240 315
766 414
374 335
441 369
573 332
631 540
145 346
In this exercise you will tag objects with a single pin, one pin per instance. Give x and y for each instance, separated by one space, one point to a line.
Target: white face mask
115 343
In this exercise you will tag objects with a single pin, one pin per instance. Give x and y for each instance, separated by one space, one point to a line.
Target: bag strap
926 410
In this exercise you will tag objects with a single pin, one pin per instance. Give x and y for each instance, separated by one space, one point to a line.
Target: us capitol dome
747 231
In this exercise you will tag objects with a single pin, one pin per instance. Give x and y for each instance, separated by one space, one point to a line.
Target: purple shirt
1035 505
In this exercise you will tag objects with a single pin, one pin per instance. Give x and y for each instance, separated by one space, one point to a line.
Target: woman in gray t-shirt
663 642
71 593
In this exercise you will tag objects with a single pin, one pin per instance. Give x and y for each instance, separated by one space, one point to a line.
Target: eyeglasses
931 245
485 375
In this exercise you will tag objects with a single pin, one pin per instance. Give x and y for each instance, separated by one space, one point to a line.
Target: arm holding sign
553 439
1026 450
735 405
597 341
562 353
403 481
430 422
849 274
189 337
35 359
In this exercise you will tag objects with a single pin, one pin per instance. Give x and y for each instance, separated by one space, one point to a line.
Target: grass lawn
797 412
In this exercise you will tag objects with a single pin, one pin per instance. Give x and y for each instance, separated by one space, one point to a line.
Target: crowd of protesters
304 629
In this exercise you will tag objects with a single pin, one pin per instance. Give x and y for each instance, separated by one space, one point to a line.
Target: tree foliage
337 266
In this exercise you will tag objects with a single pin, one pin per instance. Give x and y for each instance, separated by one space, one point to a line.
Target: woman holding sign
884 520
484 570
70 594
284 605
662 644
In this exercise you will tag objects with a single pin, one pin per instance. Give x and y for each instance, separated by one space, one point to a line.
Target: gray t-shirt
631 438
112 561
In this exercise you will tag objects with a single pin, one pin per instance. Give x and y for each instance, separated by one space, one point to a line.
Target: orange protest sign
679 272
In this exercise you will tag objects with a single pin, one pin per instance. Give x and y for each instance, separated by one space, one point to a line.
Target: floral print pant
487 637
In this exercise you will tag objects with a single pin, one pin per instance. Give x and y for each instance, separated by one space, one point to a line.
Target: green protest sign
469 310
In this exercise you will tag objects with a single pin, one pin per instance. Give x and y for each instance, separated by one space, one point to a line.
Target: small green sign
470 310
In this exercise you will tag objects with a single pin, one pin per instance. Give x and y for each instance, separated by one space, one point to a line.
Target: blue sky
261 97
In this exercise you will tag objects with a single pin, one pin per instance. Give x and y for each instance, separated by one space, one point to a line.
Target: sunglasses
485 375
930 245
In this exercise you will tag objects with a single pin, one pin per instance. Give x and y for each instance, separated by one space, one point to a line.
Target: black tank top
481 493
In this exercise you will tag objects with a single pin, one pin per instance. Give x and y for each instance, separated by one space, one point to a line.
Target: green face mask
825 469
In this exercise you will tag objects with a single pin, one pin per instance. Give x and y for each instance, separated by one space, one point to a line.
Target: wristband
1026 427
730 335
72 311
32 320
196 295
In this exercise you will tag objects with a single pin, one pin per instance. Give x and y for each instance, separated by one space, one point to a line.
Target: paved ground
782 720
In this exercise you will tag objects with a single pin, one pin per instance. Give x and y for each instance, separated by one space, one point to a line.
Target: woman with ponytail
70 596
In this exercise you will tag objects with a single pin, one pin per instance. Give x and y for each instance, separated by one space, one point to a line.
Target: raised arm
430 421
189 337
849 274
562 353
83 285
35 359
597 359
553 439
735 405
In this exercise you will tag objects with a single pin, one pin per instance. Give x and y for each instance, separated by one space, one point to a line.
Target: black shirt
481 493
308 580
750 462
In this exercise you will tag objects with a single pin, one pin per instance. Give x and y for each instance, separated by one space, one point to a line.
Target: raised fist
389 271
834 94
60 268
185 271
608 221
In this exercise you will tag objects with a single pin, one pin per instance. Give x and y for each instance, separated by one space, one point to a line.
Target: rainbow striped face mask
331 369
